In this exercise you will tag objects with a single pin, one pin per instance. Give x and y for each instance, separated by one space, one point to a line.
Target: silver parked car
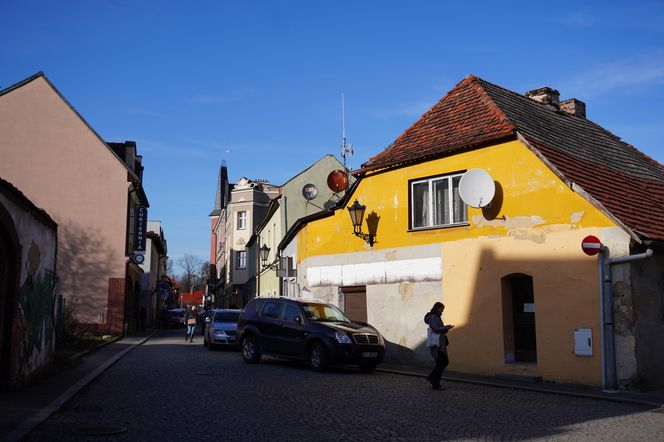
219 328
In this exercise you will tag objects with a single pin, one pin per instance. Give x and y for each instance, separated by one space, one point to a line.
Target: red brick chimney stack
574 107
545 95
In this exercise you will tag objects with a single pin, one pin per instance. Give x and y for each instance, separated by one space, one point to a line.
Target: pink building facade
52 155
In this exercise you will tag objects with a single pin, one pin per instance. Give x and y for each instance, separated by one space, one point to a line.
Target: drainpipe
609 373
258 267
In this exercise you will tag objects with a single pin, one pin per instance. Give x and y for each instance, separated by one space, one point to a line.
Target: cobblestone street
167 389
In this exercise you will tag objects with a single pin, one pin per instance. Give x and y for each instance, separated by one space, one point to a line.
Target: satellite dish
477 188
337 181
309 191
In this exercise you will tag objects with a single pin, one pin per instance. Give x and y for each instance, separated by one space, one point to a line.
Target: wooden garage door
355 302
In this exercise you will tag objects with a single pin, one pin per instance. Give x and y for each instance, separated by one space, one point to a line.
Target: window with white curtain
435 202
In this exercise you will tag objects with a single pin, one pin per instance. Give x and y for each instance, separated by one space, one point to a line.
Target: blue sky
258 84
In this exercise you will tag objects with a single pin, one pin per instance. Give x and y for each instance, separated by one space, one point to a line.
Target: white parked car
220 327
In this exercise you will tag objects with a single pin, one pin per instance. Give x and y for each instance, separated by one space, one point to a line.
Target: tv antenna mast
346 149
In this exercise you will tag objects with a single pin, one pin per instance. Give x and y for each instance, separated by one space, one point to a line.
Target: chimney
545 95
574 107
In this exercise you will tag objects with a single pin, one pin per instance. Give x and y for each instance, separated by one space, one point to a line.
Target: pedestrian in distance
437 343
191 319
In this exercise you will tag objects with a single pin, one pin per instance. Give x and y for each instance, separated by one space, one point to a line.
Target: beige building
63 166
239 209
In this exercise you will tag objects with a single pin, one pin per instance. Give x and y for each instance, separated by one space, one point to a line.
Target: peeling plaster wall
647 320
33 328
624 316
534 227
398 310
401 284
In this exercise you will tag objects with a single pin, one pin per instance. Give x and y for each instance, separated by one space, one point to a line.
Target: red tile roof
476 113
195 297
466 117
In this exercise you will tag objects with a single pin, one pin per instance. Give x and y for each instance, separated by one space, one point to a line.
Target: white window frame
429 224
241 260
242 220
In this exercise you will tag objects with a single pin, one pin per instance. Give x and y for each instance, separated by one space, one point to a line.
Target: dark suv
313 331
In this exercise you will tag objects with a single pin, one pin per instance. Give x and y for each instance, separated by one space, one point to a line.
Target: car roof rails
293 298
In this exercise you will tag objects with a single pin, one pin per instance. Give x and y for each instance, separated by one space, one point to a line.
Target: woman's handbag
191 321
433 339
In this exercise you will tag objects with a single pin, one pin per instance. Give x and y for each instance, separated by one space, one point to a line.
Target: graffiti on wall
35 315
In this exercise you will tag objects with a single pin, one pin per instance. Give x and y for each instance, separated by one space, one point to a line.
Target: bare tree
203 275
191 266
169 267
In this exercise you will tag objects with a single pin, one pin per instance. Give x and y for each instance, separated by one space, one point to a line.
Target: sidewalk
23 410
648 399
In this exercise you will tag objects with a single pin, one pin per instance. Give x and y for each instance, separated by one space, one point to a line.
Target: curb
633 401
27 426
90 350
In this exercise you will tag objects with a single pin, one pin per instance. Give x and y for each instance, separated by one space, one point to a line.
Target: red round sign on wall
591 245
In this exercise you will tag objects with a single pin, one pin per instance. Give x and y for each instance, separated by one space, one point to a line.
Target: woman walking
437 342
190 320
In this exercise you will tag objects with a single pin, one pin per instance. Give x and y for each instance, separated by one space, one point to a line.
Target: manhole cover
100 430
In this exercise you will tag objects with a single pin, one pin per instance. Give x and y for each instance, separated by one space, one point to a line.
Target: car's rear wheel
368 367
251 353
318 359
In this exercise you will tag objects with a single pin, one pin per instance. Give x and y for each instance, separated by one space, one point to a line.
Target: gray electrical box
583 341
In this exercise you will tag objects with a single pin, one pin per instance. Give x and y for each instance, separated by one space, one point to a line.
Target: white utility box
583 341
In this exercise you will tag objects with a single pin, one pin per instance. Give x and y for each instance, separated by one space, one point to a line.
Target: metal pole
602 251
623 259
610 378
258 267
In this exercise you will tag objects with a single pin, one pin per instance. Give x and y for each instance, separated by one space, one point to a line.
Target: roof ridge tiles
492 104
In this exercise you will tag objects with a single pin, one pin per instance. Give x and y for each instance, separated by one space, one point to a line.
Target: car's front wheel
318 359
251 353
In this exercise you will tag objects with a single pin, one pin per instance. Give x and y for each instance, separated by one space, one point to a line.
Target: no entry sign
591 245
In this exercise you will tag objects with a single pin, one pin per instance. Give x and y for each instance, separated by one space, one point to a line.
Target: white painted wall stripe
382 272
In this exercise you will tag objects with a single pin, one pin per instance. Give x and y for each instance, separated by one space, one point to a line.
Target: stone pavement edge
21 411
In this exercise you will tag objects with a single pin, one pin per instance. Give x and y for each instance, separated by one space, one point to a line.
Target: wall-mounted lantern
356 212
264 253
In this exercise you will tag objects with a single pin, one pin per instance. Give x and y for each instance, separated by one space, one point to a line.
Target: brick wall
116 304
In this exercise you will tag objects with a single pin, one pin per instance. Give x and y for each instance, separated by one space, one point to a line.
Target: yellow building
523 295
